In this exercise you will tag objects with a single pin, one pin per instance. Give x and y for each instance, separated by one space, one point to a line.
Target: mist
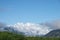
32 28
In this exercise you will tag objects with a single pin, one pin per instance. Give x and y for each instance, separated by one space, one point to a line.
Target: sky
35 11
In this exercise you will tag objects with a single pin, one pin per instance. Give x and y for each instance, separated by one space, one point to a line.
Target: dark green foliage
11 36
42 38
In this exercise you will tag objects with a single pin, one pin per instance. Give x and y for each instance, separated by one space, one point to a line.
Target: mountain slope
54 33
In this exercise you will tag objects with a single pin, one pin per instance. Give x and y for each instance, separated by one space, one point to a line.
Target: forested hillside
13 36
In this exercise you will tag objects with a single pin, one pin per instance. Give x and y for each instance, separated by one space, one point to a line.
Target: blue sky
36 11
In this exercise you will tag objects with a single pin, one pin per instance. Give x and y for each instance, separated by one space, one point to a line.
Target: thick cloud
31 28
26 28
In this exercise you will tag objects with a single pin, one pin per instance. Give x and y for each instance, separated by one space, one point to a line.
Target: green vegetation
13 36
42 38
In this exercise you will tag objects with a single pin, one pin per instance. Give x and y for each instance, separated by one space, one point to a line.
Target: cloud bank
31 28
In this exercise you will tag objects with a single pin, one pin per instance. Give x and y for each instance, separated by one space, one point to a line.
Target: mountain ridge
53 33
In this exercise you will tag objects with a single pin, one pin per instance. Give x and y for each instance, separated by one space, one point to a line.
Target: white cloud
31 28
27 28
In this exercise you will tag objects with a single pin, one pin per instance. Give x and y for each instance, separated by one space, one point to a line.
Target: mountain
53 33
28 29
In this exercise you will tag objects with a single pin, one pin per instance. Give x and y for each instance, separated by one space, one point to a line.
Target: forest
13 36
